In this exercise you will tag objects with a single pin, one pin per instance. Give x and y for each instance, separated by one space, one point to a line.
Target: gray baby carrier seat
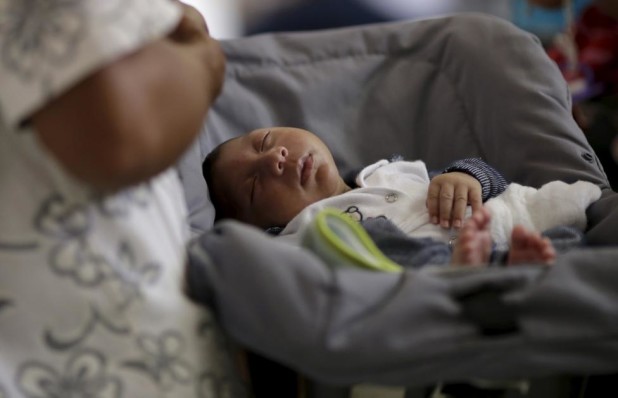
439 90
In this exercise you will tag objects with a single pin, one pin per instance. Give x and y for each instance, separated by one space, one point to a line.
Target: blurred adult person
98 99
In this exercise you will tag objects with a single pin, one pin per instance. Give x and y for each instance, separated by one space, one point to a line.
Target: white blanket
555 203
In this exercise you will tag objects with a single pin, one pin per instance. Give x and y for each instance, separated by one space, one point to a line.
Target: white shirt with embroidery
91 300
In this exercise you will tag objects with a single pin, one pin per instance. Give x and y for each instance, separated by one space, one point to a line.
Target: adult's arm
134 117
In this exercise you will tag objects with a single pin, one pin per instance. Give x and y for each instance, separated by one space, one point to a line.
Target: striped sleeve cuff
492 182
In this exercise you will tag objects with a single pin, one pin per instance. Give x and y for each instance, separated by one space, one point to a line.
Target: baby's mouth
306 167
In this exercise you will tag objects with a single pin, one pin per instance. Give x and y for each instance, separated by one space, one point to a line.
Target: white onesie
397 191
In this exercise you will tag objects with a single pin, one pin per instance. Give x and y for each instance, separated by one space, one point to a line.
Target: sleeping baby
282 177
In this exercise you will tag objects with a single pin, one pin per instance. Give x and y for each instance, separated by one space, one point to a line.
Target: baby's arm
464 182
492 182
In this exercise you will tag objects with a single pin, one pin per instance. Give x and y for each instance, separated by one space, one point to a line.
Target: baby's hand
449 195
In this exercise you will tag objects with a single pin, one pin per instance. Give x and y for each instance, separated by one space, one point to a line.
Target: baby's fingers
433 201
475 199
460 203
447 193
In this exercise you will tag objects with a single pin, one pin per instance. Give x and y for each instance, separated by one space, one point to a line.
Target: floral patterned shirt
91 301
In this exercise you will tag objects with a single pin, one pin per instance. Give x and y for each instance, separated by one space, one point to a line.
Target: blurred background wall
236 18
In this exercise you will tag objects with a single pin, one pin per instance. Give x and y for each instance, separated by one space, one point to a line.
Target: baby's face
268 176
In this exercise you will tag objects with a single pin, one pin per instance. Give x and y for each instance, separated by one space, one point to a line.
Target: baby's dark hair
208 173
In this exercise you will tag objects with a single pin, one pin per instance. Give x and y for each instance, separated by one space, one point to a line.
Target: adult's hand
192 30
191 26
133 118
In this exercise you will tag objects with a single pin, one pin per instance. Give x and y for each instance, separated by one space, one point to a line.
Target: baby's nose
275 160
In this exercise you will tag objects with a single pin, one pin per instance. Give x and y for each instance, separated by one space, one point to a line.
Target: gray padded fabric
344 326
201 211
439 90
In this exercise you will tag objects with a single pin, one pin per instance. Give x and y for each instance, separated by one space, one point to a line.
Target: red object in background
596 39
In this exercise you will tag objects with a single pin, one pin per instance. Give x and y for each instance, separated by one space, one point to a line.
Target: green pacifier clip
341 241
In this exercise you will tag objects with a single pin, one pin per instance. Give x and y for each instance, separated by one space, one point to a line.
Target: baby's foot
473 246
529 247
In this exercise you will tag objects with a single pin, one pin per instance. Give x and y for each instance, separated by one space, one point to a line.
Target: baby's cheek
280 205
326 178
